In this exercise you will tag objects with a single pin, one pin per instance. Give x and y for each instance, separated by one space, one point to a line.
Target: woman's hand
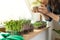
42 9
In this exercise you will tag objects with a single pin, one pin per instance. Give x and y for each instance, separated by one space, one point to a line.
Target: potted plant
58 32
39 24
21 26
13 26
27 26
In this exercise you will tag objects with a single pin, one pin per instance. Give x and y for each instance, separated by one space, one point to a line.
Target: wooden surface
31 34
34 33
2 29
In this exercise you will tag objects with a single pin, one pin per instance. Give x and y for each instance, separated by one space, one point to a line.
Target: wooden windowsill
31 34
2 29
34 33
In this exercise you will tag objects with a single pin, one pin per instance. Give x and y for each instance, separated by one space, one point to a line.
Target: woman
51 10
55 9
43 3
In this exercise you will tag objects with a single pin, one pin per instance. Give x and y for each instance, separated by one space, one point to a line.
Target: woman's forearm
53 16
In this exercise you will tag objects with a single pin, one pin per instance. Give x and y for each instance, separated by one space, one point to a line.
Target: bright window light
13 9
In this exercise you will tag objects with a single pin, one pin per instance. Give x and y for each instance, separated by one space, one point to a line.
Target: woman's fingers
43 10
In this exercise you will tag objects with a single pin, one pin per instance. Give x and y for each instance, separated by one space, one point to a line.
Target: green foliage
39 24
16 25
12 25
57 31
